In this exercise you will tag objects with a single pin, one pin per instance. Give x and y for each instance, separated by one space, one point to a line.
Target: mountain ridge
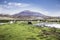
27 14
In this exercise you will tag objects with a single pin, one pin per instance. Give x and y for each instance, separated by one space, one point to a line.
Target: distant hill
29 14
6 17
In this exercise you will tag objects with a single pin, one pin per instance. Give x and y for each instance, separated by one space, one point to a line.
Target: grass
23 31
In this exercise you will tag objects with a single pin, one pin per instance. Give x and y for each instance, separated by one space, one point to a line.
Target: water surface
56 25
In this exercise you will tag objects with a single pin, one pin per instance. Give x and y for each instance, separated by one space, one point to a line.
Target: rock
29 22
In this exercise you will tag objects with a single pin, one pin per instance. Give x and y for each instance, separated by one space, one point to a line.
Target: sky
46 7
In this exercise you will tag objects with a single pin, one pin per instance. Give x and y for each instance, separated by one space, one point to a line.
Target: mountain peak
29 13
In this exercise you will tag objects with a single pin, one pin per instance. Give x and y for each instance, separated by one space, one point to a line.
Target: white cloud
14 4
12 7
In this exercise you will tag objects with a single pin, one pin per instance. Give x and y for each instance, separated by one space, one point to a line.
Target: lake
56 25
2 23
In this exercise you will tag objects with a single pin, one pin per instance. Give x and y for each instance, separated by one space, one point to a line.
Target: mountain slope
26 14
29 13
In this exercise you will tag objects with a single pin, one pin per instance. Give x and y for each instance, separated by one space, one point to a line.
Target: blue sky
47 7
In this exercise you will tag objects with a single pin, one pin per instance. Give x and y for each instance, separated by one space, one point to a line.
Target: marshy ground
23 31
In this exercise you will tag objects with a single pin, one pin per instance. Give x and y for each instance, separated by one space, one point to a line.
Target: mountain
29 14
5 15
